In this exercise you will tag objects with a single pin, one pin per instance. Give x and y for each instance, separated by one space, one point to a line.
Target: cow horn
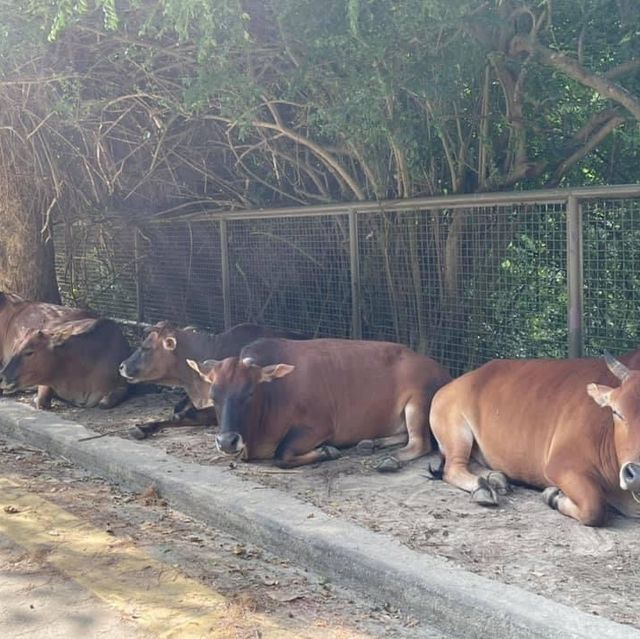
248 362
616 367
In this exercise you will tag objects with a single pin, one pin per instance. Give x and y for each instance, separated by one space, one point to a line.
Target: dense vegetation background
138 109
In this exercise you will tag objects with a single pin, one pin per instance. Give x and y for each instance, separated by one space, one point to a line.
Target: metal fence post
354 264
224 273
574 277
138 274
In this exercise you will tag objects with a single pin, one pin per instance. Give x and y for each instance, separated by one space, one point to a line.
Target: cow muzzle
630 477
230 443
124 372
6 384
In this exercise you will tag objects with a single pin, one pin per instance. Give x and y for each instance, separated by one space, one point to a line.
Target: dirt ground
522 542
254 581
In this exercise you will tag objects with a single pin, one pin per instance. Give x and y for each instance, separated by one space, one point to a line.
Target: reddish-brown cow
17 316
77 360
295 402
162 359
536 422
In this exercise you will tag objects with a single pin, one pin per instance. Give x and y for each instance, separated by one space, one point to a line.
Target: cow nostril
629 473
235 440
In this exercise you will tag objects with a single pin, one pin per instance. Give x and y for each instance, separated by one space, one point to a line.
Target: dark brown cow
537 422
77 360
162 359
17 316
294 402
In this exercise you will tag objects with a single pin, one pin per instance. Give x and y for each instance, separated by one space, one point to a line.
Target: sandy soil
521 542
252 580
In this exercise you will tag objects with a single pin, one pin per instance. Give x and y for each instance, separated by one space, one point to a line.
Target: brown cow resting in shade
18 316
77 360
297 402
562 426
162 359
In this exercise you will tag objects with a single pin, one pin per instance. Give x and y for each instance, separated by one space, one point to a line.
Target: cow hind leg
455 439
195 418
368 446
577 496
300 446
416 417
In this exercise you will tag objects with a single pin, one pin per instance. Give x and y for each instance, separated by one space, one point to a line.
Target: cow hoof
551 496
330 453
137 433
365 447
484 494
499 482
388 465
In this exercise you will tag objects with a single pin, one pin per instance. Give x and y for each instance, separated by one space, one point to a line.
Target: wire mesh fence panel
292 273
400 291
181 274
513 284
611 251
466 285
95 267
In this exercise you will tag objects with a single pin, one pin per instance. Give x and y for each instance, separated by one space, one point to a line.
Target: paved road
78 558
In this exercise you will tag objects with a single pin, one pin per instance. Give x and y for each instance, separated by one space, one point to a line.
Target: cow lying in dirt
18 316
297 402
162 359
570 427
76 360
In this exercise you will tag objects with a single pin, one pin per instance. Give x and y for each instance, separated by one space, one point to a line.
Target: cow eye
28 353
617 414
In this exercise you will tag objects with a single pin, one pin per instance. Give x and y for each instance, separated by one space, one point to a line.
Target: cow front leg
577 496
43 398
302 446
115 397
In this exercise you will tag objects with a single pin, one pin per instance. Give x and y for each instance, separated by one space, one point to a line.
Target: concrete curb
450 599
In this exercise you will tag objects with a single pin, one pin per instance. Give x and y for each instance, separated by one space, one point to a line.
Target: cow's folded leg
497 480
416 417
114 398
300 447
484 494
369 446
577 496
43 397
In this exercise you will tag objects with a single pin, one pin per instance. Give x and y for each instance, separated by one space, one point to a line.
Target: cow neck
196 346
609 462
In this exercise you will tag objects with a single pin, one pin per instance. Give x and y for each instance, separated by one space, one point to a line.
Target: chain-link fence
464 279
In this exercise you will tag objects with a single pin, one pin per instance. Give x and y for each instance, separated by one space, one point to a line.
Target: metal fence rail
463 278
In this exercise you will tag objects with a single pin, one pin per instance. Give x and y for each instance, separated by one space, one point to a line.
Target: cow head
37 356
624 402
155 358
236 391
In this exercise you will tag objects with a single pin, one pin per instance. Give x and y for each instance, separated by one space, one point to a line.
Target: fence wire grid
462 281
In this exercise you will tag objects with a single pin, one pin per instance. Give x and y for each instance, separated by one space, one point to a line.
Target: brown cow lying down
162 359
77 360
557 425
294 402
17 316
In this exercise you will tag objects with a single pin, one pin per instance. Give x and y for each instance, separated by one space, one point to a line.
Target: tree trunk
26 258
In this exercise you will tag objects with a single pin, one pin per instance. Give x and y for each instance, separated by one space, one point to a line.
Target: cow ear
600 394
275 371
170 343
204 369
